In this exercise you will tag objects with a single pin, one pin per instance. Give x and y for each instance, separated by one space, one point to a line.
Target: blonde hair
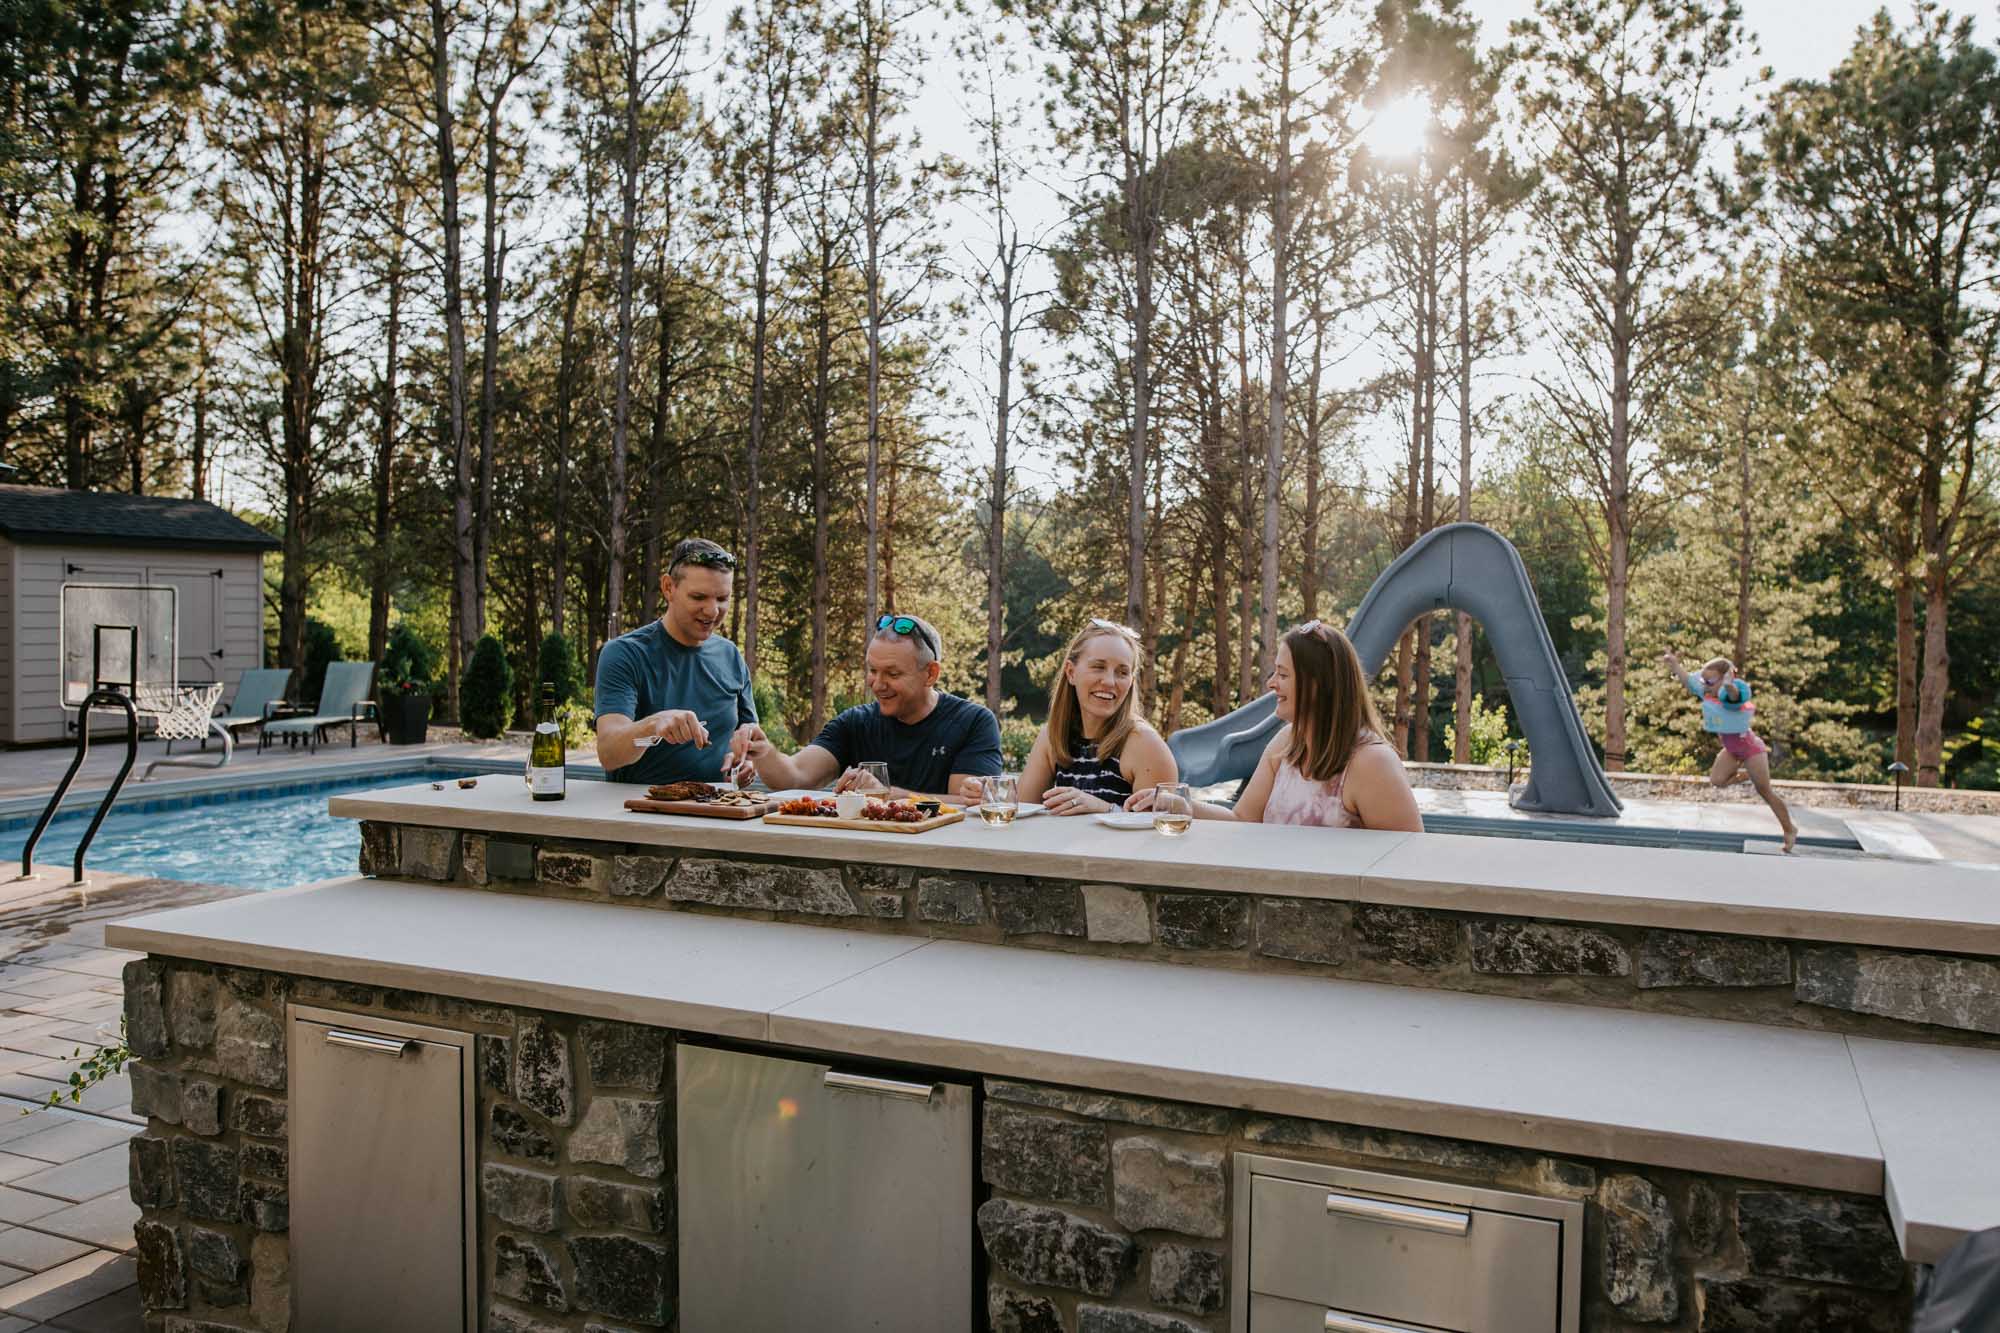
1331 710
1722 664
1066 714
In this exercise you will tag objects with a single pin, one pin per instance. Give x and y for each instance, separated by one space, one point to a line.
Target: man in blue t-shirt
673 696
934 743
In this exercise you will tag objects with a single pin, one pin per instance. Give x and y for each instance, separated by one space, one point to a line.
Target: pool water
248 840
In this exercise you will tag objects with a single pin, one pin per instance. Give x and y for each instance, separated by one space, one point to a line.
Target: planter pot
406 717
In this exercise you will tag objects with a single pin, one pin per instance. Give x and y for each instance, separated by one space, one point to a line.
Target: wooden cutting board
866 825
705 809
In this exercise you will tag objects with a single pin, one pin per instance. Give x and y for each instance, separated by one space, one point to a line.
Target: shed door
198 608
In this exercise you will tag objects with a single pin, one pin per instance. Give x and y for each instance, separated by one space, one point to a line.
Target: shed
50 537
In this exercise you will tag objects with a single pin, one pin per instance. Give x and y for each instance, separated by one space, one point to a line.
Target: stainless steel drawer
1336 1250
381 1172
1456 1268
1274 1314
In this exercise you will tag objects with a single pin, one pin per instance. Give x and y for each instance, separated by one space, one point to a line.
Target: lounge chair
261 690
344 700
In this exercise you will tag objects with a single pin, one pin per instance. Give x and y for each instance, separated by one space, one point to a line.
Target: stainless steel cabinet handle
1449 1221
1338 1322
366 1041
887 1087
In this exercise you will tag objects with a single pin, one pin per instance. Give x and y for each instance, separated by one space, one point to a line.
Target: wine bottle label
543 781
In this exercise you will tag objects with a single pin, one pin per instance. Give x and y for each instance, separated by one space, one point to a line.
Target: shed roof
47 514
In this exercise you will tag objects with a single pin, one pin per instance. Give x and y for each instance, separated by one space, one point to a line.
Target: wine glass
998 799
876 772
1173 809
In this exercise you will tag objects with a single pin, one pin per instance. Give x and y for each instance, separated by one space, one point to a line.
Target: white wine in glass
1173 809
997 799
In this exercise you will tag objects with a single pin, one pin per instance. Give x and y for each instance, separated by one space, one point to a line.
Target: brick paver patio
65 1212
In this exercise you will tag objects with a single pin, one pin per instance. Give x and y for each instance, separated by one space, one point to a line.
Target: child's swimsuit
1727 712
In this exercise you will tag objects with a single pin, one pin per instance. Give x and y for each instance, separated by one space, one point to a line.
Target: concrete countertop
1769 1104
1882 903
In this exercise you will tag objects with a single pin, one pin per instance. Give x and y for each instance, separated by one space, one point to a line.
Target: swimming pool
267 836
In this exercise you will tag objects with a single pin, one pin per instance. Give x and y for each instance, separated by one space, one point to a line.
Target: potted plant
404 687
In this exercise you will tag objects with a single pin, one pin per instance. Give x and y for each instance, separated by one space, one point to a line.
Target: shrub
772 710
486 691
578 727
1489 736
1017 740
408 663
321 648
558 666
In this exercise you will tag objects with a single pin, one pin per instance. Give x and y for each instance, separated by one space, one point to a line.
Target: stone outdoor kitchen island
1720 1092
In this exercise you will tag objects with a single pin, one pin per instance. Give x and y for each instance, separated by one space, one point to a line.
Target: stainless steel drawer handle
886 1087
1449 1221
1338 1322
367 1041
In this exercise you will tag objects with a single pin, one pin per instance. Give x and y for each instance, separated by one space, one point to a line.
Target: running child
1727 712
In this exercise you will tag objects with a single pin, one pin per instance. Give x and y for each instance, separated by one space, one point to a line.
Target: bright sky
1795 38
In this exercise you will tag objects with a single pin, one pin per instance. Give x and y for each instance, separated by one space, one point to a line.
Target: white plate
1125 819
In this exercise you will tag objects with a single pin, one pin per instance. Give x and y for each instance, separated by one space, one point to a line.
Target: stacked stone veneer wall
1112 1215
574 1159
1845 988
1098 1214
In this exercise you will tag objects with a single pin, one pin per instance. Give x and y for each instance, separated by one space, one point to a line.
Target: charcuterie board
735 807
706 809
948 815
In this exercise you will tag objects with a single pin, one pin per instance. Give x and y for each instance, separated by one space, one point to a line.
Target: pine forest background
1191 313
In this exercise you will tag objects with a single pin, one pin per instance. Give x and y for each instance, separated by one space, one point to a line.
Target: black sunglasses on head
707 560
909 625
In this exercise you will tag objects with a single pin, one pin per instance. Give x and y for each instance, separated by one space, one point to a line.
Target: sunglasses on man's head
707 560
909 625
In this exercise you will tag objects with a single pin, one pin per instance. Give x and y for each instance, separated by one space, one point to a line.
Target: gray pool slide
1461 567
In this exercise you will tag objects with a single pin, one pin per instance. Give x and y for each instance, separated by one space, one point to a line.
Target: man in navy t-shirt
934 743
678 680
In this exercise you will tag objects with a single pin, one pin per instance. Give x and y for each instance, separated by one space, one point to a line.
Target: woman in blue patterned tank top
1095 749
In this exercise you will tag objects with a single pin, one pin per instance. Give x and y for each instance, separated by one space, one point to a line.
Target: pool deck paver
65 1214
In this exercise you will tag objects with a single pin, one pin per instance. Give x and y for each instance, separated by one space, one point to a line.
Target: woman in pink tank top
1329 765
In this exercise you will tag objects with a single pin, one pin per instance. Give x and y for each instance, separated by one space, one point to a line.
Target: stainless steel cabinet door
812 1199
380 1147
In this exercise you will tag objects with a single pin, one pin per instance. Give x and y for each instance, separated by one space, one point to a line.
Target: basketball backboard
117 637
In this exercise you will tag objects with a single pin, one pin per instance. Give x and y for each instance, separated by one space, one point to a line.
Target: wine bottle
545 755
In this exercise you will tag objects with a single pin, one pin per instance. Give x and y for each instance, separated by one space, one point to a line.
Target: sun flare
1401 128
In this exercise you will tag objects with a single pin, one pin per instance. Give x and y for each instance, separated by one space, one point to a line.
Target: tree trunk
1745 550
822 590
565 416
1139 222
467 597
1906 668
1400 724
1248 558
996 516
382 564
1618 499
657 470
1281 258
871 89
1461 749
1177 686
759 351
1309 570
621 400
492 267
